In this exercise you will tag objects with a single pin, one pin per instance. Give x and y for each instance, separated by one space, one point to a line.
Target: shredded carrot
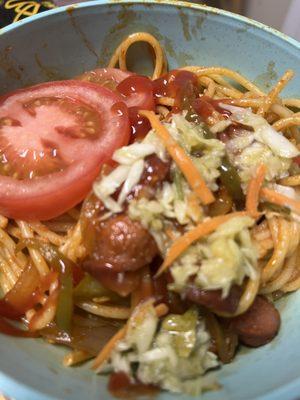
205 228
108 348
182 160
103 356
280 199
170 233
253 190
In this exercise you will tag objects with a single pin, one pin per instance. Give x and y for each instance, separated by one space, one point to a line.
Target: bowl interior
65 42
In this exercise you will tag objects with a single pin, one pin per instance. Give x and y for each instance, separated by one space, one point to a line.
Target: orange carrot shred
204 228
182 160
108 348
103 356
253 190
280 199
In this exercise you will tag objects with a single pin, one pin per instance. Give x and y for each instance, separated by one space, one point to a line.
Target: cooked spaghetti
147 222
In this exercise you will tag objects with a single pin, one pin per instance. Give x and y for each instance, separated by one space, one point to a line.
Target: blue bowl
64 42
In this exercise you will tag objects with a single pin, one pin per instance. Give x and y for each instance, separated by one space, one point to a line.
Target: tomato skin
51 195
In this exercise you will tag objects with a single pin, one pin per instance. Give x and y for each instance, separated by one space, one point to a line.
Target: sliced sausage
122 283
213 299
259 325
121 245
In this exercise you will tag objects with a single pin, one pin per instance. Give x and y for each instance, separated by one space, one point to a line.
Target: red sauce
171 84
120 386
205 106
137 92
297 160
140 126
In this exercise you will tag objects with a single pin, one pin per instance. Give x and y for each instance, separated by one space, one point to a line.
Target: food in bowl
149 224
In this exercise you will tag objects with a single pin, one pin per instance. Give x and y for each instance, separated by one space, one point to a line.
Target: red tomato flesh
54 138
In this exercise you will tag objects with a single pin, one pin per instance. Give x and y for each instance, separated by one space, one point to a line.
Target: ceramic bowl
65 42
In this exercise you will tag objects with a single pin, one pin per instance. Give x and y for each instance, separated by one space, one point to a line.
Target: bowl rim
20 390
173 3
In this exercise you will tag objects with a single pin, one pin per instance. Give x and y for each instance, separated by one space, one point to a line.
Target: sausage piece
259 325
122 283
120 244
213 299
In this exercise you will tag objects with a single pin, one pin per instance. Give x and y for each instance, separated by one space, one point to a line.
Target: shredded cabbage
251 156
131 166
220 260
263 145
172 199
263 131
209 151
155 214
173 355
128 173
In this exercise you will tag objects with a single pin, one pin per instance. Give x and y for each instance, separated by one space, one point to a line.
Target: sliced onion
46 314
22 296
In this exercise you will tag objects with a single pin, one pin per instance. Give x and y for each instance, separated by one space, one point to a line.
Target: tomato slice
54 137
107 77
136 92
